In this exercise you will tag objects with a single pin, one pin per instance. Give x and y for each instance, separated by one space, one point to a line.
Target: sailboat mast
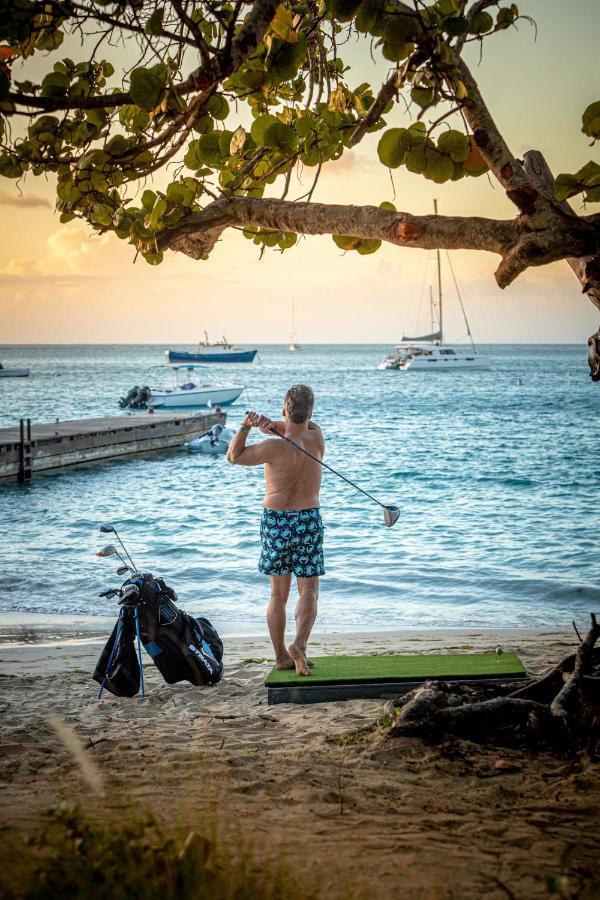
439 275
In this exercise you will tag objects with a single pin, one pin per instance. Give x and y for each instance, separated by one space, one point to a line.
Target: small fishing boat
214 441
13 373
187 394
219 352
427 352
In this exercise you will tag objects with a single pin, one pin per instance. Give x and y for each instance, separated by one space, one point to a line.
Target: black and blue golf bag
183 648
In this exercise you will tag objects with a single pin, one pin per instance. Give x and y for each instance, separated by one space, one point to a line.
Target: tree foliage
219 102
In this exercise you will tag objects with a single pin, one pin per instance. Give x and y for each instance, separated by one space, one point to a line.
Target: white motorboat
181 395
214 442
13 373
428 351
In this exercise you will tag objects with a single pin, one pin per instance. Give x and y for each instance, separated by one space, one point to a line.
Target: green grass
350 669
128 857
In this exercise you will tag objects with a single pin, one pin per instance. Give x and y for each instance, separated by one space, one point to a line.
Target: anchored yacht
427 352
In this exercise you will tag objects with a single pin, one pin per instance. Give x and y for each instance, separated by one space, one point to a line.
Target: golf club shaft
125 549
325 466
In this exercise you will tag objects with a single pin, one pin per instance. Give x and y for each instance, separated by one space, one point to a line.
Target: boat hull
14 373
439 364
211 356
204 397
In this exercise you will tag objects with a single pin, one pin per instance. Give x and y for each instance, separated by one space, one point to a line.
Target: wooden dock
30 449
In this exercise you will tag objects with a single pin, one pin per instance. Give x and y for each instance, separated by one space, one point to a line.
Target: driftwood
560 708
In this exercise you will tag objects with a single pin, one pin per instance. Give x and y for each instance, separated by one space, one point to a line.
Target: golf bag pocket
118 669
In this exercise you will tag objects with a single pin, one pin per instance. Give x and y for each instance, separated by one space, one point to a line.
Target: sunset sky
62 284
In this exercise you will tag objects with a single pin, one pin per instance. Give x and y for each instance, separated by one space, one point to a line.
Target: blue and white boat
219 352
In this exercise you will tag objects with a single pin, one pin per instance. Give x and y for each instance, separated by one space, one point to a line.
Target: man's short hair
299 402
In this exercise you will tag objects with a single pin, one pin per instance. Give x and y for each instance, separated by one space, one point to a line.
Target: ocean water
498 483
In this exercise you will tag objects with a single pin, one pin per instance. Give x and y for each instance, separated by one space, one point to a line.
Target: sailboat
427 352
293 345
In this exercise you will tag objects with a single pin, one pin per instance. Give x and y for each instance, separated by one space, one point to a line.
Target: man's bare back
292 480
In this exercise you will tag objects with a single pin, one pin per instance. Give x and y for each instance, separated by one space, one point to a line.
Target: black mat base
323 693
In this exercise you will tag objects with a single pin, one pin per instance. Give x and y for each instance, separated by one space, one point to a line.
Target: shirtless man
291 528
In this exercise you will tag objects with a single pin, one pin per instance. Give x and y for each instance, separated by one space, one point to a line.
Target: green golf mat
346 677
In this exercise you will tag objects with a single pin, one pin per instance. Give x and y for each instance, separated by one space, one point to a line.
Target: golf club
110 550
123 569
110 529
391 514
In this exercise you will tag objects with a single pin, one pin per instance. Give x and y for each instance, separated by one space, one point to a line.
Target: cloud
24 201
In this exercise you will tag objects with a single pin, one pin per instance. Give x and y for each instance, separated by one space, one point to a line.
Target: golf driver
110 529
391 514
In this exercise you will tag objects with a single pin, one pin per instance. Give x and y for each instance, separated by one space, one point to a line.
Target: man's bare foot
286 662
299 660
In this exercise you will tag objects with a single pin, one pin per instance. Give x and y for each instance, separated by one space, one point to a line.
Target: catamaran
427 352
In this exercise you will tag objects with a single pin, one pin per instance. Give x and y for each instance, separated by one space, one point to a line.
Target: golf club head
122 570
109 550
391 514
107 529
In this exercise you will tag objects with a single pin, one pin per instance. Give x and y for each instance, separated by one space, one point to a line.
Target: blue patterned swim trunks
292 542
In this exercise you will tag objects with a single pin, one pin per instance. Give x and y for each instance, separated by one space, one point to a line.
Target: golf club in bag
182 648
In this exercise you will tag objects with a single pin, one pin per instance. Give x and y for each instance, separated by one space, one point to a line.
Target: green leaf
203 124
480 23
282 24
102 214
155 22
416 161
422 96
148 199
392 147
387 206
368 246
279 135
286 59
55 84
366 15
259 127
455 26
438 168
218 107
343 10
147 86
158 210
454 144
591 120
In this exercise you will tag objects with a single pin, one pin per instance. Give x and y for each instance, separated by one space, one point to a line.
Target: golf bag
182 647
118 668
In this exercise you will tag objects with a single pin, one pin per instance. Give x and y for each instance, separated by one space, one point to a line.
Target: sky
65 284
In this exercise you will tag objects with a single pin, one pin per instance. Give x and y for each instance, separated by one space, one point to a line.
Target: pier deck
56 445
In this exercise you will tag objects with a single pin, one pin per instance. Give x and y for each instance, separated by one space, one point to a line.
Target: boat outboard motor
137 398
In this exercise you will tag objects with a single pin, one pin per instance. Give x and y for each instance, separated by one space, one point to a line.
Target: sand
399 819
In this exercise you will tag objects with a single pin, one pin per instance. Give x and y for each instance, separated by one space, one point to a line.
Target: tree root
559 709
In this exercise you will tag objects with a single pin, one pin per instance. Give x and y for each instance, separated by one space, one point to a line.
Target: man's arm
256 455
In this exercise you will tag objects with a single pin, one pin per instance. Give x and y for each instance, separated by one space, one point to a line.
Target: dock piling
24 473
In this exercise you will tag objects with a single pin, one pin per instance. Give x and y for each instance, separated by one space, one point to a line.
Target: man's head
298 403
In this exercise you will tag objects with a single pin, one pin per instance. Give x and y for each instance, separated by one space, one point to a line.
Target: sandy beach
314 785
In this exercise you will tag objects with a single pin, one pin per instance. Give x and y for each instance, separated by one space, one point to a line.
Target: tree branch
197 236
